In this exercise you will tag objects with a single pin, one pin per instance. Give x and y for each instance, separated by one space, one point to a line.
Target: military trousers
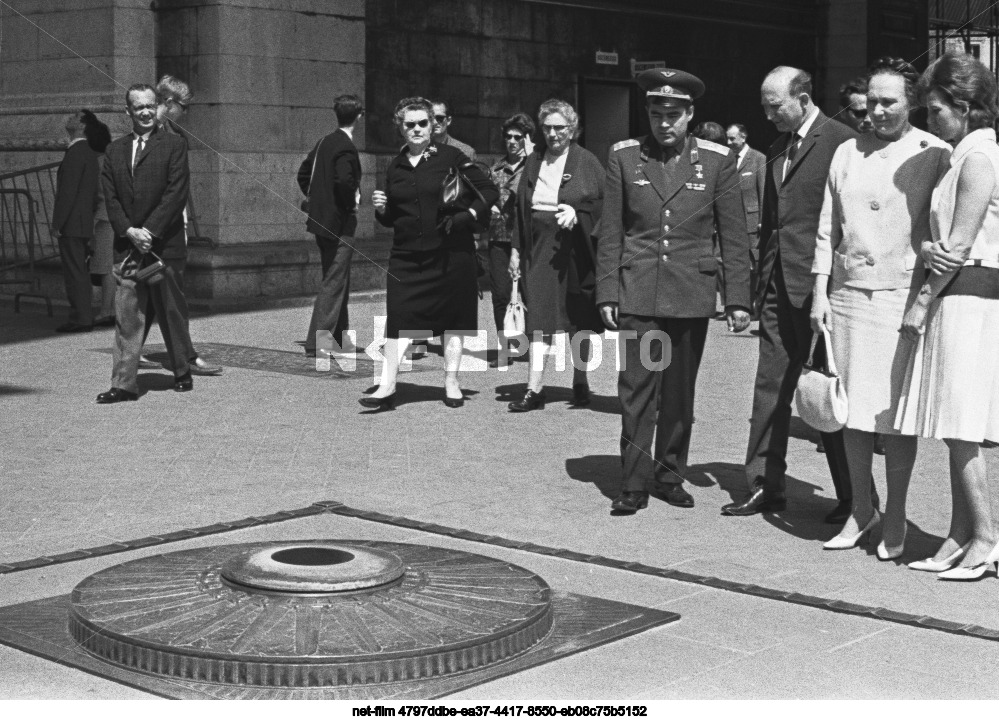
657 405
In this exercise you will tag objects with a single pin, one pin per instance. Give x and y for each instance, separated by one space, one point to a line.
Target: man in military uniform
666 193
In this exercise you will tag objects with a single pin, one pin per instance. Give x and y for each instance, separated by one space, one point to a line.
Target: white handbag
514 322
820 396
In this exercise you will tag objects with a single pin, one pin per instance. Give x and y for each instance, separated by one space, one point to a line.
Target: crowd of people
871 233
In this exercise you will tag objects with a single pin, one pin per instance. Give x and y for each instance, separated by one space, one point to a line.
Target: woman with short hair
506 173
432 274
953 324
558 203
874 219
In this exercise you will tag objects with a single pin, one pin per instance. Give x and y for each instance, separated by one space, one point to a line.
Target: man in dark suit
146 181
665 195
73 223
331 178
752 166
798 164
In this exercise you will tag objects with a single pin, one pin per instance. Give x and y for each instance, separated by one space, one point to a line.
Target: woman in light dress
874 220
952 389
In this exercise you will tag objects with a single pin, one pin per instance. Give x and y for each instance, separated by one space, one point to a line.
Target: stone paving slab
75 475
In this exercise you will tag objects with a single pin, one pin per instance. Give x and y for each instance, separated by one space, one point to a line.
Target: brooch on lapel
431 150
566 178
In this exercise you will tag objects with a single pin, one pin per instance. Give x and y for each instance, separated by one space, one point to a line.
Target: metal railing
26 201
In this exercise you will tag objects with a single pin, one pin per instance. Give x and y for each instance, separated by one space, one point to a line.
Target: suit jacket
791 208
582 187
333 193
154 198
655 253
752 177
414 199
76 192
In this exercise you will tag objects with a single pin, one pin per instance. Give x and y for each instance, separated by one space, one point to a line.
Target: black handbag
458 193
136 268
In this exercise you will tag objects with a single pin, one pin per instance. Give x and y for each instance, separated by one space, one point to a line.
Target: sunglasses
440 118
410 124
858 114
513 136
182 106
556 128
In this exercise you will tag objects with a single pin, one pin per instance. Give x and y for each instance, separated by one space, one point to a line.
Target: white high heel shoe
841 542
973 573
928 564
889 553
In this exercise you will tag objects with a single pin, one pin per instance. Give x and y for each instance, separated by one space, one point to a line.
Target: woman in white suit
874 220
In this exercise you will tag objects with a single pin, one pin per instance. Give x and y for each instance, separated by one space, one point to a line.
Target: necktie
792 152
138 152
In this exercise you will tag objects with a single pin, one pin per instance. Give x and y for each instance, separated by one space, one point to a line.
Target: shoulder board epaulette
630 143
708 145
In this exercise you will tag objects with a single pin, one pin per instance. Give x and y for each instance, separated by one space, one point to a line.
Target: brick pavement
252 442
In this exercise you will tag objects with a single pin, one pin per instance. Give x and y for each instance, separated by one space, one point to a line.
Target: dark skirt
432 292
559 279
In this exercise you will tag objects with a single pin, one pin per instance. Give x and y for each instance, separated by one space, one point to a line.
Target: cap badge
668 73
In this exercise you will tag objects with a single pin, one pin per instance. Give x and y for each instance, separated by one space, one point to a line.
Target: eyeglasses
182 106
858 114
410 124
556 128
513 136
440 118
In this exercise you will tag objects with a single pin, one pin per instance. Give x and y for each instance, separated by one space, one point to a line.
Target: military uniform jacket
655 255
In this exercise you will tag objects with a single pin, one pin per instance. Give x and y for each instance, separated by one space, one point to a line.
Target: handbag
820 395
458 194
304 205
132 268
514 322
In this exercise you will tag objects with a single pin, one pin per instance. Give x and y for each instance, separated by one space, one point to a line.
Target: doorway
610 111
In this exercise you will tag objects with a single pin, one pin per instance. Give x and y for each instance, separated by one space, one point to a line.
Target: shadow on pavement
9 390
556 394
604 472
408 393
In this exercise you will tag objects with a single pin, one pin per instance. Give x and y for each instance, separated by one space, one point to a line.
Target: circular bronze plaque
448 612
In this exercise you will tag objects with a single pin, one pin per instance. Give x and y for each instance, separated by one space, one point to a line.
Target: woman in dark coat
558 203
432 286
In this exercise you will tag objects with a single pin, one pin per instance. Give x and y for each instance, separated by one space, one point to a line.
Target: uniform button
667 213
665 243
870 261
875 205
666 228
665 257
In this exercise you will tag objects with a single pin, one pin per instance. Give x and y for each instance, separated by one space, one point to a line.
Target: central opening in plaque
312 556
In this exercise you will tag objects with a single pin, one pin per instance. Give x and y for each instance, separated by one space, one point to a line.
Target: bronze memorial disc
311 613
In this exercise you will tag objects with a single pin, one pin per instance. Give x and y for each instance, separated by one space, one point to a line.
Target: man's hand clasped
141 238
608 314
737 318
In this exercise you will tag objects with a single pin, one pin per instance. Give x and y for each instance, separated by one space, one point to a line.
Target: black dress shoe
840 513
630 501
74 328
759 501
580 395
117 395
454 402
675 495
184 383
529 402
379 404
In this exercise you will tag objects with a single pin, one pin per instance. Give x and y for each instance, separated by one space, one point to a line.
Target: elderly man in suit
146 181
798 164
331 178
73 223
665 195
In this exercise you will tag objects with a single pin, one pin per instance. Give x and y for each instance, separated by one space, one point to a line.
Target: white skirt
951 389
870 357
